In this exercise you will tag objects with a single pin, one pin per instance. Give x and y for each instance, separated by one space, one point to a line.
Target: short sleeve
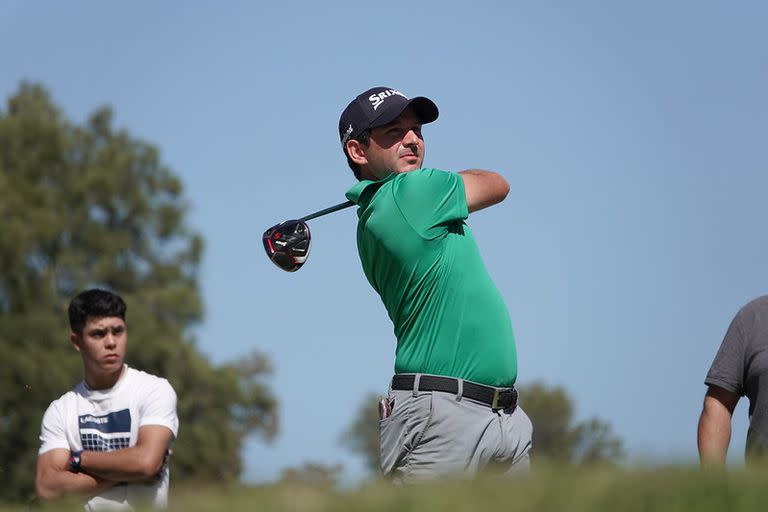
159 406
430 200
727 369
53 431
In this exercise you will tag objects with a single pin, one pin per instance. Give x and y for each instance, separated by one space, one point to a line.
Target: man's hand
483 188
715 426
54 479
159 475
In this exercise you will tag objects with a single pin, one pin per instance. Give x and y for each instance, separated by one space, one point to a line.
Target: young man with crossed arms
108 439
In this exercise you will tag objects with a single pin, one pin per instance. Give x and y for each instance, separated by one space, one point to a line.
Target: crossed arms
102 470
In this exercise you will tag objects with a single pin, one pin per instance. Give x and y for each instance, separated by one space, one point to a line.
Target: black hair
95 303
364 138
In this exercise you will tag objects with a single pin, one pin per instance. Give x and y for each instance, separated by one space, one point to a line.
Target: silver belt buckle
495 403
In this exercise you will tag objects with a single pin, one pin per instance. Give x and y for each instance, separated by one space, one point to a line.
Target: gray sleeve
727 369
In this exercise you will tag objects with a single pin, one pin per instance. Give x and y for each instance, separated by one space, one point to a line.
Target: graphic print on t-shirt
106 433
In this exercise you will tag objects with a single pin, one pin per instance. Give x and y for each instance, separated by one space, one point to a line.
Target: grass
658 489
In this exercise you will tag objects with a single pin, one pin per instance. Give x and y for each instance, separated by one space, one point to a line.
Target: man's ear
75 339
356 152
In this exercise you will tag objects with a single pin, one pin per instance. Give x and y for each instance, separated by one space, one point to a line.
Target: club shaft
332 209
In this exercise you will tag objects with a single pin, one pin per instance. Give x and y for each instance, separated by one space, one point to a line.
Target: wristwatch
74 461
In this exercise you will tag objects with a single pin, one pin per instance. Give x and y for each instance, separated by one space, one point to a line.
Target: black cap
379 106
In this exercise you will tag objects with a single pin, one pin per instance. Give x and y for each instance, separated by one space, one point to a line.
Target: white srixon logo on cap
378 98
345 138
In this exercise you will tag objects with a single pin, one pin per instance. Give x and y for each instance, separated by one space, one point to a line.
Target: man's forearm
483 188
126 465
476 172
714 436
60 483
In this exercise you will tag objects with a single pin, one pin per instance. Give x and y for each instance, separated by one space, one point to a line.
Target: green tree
88 205
362 435
556 436
312 474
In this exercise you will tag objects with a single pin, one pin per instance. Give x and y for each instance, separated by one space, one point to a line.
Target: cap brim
424 108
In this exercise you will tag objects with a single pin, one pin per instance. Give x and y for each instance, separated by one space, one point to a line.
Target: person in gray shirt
740 368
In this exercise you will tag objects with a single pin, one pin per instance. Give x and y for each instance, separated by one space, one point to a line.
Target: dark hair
95 303
364 138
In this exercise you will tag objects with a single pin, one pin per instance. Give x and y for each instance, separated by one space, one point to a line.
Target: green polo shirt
422 259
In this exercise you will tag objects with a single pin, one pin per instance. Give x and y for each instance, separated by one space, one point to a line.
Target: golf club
287 244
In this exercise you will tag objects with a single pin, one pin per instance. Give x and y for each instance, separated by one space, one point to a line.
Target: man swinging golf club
452 407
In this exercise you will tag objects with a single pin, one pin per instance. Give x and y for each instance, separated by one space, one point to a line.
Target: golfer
451 407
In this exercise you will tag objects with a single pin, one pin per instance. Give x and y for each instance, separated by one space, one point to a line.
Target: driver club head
287 244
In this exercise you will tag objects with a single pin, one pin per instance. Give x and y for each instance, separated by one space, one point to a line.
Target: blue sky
632 134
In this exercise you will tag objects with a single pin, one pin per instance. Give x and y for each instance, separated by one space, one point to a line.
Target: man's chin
409 168
112 366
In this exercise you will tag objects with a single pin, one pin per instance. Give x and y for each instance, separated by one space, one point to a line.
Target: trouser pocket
400 432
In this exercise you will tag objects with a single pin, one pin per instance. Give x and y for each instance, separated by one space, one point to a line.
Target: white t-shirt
109 419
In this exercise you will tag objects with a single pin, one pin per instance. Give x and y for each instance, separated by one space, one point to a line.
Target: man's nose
410 139
110 340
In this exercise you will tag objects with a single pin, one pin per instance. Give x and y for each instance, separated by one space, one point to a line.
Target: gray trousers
432 433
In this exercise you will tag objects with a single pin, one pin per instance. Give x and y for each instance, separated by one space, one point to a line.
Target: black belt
497 398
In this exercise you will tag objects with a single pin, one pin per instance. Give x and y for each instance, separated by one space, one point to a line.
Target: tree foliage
556 435
313 474
88 205
362 435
